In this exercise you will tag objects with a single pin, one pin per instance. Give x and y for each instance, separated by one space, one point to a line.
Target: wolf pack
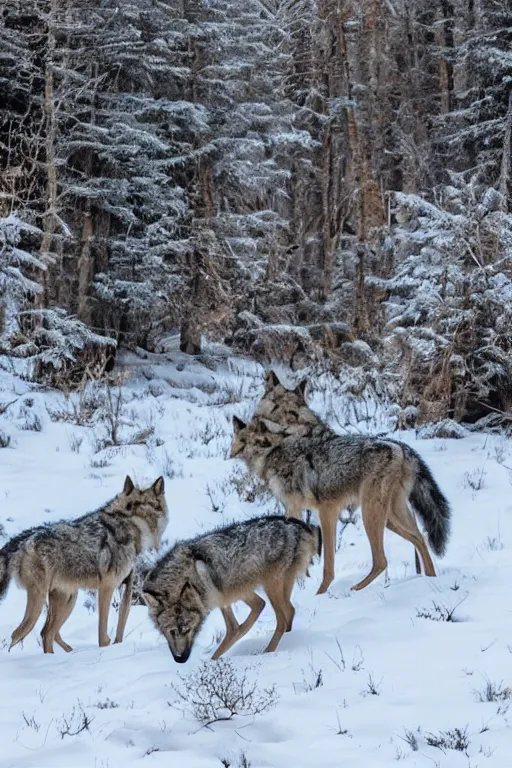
303 462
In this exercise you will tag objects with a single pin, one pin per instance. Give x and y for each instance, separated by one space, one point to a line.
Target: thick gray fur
95 551
223 566
327 466
307 465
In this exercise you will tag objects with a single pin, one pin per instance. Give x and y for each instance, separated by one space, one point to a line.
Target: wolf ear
150 599
301 388
238 424
128 486
158 486
271 381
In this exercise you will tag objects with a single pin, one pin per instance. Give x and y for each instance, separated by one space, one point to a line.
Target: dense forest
326 183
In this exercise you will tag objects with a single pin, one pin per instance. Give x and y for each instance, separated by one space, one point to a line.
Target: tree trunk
85 265
505 157
85 268
445 65
190 330
50 136
190 336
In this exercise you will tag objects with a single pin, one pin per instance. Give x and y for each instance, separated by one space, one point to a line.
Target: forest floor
411 669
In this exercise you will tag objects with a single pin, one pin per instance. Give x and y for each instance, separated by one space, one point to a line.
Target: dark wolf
97 551
216 569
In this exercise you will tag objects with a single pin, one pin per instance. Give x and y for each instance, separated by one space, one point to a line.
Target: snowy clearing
364 679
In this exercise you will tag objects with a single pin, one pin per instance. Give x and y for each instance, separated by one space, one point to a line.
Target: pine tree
448 303
16 267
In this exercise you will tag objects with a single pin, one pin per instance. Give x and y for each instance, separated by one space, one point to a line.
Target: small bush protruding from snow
494 692
169 467
493 544
75 442
456 739
411 738
440 612
31 422
218 691
242 762
372 688
5 439
107 704
475 479
75 722
312 679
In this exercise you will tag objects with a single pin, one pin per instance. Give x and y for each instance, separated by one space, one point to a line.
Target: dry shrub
219 691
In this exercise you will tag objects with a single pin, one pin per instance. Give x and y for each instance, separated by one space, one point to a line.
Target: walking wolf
307 465
96 551
223 566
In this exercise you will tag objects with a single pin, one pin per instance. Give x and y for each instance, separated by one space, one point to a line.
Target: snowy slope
389 681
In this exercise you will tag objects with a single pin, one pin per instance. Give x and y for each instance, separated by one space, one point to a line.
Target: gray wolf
307 465
218 568
97 551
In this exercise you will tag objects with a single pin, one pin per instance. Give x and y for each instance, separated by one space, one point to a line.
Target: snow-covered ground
362 681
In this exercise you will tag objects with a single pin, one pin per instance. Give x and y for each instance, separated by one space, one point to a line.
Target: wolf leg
374 514
46 638
328 514
49 615
412 518
35 602
289 581
274 591
232 626
65 646
63 616
105 593
256 604
59 610
410 514
403 523
124 610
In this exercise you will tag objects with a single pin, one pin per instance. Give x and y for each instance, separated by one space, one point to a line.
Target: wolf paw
66 647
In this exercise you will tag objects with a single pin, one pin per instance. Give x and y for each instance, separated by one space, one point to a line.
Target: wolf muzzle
184 656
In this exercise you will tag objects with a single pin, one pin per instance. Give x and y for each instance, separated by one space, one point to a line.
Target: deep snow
425 674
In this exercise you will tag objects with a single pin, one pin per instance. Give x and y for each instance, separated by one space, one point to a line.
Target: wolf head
284 407
146 507
179 616
250 441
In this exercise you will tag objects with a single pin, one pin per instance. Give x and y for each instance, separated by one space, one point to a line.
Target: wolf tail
314 543
6 554
319 542
5 576
431 506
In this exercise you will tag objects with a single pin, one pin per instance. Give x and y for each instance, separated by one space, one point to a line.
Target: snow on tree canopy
15 286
